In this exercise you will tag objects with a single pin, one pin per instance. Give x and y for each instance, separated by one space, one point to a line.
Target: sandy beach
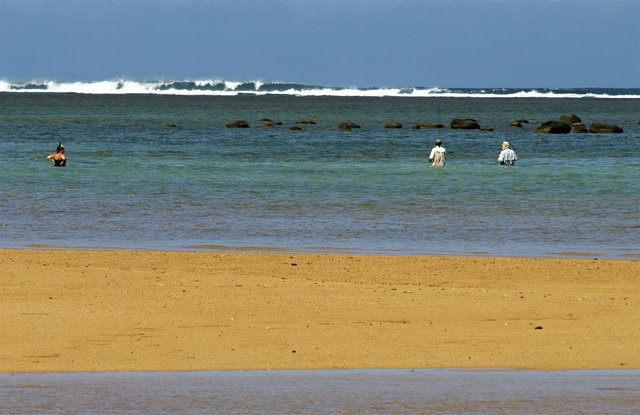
65 310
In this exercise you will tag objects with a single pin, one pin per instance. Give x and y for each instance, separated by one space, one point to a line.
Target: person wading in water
438 155
58 159
507 156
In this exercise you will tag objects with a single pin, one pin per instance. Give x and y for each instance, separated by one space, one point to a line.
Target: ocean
153 166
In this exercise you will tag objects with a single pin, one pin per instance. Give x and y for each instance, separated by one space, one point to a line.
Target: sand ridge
65 310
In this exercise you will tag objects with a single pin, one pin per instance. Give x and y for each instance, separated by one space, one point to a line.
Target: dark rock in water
429 125
464 124
570 119
269 125
516 124
486 129
579 128
296 129
278 123
602 127
553 127
238 124
172 125
393 125
305 122
265 120
522 121
348 125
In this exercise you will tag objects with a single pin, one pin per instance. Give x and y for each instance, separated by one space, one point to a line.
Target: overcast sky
384 43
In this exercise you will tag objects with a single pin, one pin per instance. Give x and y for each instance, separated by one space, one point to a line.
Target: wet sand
66 311
364 391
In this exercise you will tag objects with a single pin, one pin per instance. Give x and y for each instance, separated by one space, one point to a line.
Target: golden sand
149 311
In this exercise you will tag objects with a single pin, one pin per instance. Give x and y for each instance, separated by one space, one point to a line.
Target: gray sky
384 43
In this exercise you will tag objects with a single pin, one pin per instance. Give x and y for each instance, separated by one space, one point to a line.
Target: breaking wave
228 88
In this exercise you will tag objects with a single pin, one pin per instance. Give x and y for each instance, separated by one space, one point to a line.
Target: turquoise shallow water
134 182
324 392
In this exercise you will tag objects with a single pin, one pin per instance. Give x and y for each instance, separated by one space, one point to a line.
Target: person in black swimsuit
58 159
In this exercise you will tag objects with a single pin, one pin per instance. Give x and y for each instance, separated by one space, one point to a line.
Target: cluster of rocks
267 123
456 124
571 122
565 124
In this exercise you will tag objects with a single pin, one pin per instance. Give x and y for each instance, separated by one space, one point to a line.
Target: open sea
160 170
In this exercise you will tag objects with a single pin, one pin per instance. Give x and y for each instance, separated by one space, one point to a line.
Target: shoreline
331 251
68 310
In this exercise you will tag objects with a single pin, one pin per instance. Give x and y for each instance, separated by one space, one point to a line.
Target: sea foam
218 87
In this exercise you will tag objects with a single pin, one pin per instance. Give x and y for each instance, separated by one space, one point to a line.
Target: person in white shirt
438 155
507 156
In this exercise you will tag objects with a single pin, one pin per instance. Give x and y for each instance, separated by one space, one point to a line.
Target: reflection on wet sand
324 392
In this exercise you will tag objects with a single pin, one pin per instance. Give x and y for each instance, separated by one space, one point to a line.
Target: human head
60 148
505 145
438 142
